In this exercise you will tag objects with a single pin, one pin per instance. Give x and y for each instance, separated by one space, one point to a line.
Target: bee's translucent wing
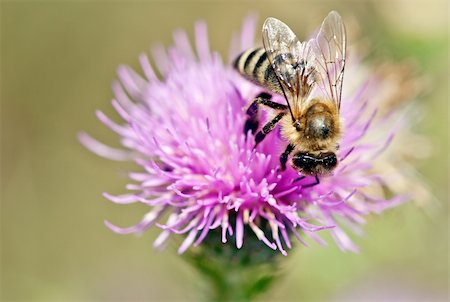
291 60
330 54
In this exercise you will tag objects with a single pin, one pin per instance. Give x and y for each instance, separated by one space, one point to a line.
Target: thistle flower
198 168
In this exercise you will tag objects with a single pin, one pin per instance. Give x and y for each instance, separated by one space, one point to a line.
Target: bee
309 75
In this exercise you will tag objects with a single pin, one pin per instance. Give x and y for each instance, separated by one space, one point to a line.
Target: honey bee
309 75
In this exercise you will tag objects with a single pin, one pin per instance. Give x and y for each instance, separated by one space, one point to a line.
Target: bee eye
329 160
309 164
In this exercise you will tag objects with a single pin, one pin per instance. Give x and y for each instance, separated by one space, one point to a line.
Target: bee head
312 164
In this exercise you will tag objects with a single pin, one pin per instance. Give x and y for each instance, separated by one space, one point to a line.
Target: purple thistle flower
186 133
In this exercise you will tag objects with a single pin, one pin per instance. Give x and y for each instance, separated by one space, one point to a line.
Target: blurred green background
58 60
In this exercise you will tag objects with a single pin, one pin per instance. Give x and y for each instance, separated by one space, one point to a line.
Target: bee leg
268 127
263 98
298 179
252 121
284 156
315 183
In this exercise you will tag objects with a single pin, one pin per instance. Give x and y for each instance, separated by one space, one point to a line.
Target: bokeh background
58 60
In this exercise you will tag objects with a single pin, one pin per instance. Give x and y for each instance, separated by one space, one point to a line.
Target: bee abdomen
254 65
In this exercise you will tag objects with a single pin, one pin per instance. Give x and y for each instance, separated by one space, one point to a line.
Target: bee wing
290 59
330 55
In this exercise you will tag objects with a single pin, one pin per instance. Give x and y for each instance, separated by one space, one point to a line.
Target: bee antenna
287 101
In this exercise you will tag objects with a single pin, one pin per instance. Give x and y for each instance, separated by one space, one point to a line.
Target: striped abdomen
255 66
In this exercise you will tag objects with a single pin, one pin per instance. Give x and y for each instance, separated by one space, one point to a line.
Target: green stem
235 274
235 281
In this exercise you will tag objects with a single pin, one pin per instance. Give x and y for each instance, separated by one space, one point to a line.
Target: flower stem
235 274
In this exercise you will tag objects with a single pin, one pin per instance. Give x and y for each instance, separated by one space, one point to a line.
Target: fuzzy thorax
316 129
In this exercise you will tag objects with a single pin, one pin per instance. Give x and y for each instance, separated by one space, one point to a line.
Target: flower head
185 131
